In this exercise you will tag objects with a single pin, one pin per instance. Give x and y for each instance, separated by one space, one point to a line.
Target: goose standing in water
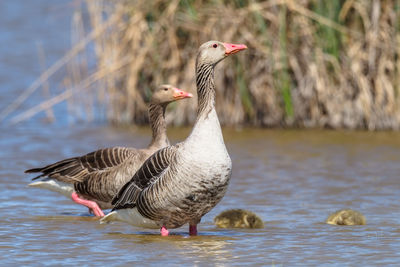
179 184
94 179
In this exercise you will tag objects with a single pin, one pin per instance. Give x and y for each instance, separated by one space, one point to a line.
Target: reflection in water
65 217
204 247
211 246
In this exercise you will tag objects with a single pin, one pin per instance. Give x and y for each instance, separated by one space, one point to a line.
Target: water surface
292 179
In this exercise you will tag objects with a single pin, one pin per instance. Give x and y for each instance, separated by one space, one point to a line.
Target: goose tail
130 216
39 184
55 186
112 216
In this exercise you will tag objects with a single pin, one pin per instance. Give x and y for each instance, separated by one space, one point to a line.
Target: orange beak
231 49
180 94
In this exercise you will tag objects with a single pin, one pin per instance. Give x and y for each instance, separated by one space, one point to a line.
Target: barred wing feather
77 169
151 170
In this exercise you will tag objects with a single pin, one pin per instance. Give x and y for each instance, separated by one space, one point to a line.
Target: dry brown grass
310 63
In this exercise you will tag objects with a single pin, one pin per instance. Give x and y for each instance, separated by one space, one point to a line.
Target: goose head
166 93
213 52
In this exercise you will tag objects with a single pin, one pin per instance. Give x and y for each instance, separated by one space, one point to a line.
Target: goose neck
205 90
158 125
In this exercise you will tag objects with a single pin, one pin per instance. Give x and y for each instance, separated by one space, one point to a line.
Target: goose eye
215 45
165 89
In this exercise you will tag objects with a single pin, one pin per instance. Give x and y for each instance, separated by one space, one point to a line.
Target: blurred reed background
310 63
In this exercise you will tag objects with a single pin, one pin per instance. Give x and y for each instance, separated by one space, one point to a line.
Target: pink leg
90 204
164 231
193 229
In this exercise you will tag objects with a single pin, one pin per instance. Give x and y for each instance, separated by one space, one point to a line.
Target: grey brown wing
77 169
104 185
151 170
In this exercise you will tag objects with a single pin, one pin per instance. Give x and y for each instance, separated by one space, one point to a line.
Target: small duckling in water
346 217
238 218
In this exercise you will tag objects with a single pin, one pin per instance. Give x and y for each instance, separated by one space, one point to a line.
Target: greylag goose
346 217
238 218
179 184
95 178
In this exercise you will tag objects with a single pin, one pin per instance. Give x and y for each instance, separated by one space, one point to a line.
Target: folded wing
151 170
78 169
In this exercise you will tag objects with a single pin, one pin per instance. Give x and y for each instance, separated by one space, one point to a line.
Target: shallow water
292 179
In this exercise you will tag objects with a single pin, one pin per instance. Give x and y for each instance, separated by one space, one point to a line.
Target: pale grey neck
205 90
207 125
158 125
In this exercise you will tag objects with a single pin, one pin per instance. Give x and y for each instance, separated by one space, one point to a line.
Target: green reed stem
284 77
